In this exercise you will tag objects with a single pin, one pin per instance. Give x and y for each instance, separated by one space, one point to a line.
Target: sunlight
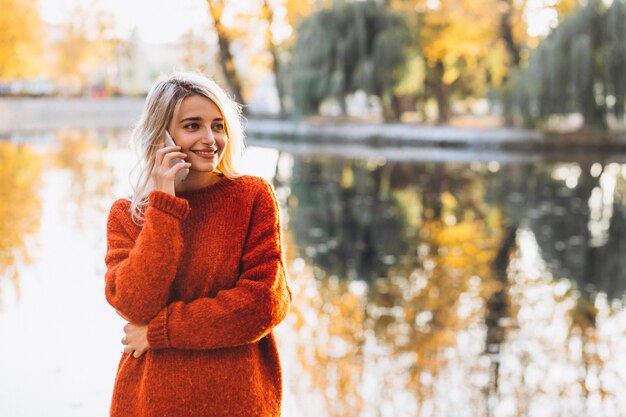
165 23
261 161
540 19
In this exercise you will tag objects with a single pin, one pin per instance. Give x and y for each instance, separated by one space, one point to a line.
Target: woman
196 268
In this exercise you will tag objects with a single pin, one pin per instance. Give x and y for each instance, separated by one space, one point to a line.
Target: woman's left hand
136 339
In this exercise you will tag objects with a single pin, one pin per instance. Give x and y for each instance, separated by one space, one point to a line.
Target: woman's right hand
163 175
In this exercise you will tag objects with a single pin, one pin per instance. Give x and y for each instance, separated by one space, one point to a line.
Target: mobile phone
181 174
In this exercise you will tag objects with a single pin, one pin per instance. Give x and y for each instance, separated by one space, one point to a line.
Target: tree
267 13
564 8
195 51
127 59
227 61
578 68
349 47
463 50
87 52
20 211
72 52
511 26
20 38
281 18
614 57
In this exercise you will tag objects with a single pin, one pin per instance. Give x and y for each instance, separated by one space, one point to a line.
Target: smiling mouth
206 153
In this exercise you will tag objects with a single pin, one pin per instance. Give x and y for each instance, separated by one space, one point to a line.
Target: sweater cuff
177 207
157 331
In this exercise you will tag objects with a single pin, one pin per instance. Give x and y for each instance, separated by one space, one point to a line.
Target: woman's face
199 130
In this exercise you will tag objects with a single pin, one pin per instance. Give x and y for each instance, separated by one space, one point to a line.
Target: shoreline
32 115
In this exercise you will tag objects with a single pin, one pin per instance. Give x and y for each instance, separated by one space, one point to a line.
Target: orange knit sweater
205 272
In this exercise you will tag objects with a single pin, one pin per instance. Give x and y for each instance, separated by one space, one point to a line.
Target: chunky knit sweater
205 272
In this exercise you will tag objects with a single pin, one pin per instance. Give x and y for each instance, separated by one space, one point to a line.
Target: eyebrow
196 118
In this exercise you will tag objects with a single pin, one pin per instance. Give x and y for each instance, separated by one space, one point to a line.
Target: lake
426 282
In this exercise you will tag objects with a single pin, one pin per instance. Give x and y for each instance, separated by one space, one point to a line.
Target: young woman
196 267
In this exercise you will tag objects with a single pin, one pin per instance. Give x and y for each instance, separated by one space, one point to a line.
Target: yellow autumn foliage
296 10
20 211
464 36
565 7
21 38
88 45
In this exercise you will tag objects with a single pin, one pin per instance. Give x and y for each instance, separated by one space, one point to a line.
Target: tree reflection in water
84 157
20 210
415 294
79 154
420 289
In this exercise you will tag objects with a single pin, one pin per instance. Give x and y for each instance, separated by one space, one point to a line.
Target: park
451 177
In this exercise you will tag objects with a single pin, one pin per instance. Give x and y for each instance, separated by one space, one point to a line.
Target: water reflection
423 295
83 155
358 218
20 210
576 212
420 289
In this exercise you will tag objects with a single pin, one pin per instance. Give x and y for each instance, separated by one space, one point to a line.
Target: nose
208 138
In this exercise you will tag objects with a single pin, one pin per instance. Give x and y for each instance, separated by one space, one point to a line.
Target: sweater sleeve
245 313
140 270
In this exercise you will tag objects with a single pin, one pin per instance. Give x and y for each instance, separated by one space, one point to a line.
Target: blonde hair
162 104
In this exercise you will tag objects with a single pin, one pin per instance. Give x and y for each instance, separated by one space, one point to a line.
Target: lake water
426 282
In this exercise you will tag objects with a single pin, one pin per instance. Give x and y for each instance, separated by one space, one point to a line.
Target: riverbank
23 115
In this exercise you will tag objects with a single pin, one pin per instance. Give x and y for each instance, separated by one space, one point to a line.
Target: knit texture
205 272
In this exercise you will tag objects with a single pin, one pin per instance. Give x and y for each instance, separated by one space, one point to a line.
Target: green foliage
349 47
614 55
579 67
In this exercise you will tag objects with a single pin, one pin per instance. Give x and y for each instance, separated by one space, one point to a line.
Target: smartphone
181 174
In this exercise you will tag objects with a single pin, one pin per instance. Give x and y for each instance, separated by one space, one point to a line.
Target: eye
192 126
218 127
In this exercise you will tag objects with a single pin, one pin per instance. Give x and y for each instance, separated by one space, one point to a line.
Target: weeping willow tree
349 47
579 68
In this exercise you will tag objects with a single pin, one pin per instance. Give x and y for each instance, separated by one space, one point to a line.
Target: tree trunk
498 310
439 90
391 107
268 13
216 7
442 105
506 32
594 113
513 49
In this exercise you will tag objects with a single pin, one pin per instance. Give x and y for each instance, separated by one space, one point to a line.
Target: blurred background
451 176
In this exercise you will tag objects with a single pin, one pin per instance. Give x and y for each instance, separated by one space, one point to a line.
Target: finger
124 340
166 149
166 162
178 167
137 353
167 159
128 349
127 327
161 153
